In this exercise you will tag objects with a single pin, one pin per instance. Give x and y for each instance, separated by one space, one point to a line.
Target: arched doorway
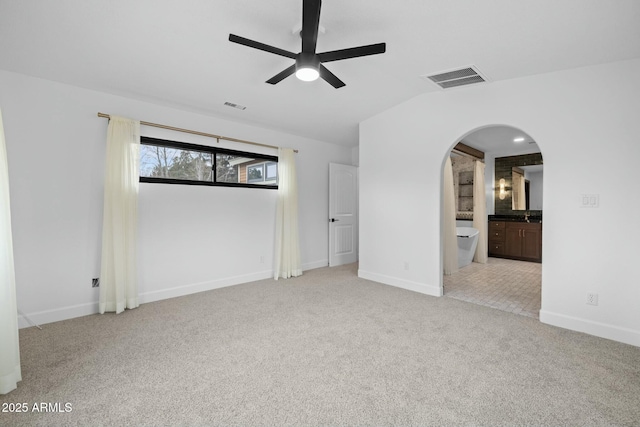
511 280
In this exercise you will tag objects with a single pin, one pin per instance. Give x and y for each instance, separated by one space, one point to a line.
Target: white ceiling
499 141
177 52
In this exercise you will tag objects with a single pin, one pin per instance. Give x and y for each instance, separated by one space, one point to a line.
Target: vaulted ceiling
177 52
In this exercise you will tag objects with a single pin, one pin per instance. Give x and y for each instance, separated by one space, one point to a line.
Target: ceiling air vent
454 78
232 105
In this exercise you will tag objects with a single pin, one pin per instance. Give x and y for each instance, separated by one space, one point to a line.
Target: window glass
260 172
272 171
227 167
171 162
174 163
255 173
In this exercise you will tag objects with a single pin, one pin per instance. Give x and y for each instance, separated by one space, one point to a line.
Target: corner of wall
422 288
355 156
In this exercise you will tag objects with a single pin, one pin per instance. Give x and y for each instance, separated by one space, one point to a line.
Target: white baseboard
180 291
194 288
435 291
57 314
603 330
316 264
70 312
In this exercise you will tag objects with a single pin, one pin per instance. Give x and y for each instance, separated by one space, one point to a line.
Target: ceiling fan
308 66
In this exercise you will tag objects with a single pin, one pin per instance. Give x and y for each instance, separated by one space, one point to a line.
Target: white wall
586 124
191 238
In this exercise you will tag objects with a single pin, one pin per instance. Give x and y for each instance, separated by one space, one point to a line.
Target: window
262 173
173 162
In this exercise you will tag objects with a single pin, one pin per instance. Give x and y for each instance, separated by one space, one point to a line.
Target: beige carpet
326 348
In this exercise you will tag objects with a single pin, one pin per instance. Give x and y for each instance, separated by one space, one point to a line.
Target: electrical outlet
261 259
406 265
592 298
95 282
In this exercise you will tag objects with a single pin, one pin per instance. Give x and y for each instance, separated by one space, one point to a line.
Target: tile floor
504 284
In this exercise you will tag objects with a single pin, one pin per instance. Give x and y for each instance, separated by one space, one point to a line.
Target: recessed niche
465 191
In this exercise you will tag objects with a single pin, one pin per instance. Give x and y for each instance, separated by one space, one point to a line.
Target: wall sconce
503 189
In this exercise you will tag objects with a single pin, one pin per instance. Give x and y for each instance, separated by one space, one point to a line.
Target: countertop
515 218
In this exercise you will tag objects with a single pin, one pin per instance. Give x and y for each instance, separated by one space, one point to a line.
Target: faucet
526 216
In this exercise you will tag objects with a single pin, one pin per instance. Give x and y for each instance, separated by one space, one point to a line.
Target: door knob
334 220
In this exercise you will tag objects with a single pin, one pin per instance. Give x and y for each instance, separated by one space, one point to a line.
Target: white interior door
343 217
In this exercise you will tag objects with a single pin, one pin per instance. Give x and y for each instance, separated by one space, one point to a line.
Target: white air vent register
459 77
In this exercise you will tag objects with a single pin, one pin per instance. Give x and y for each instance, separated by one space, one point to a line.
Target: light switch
589 200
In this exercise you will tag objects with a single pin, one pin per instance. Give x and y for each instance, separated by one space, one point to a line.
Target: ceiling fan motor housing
307 60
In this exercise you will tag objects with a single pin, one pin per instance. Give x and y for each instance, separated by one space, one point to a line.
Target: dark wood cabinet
516 240
496 238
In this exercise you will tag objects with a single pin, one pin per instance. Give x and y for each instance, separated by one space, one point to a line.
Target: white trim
315 264
72 311
195 288
58 314
435 291
603 330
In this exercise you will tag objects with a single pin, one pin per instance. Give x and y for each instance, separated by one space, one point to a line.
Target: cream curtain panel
480 212
449 234
518 199
287 250
118 272
10 373
515 190
522 198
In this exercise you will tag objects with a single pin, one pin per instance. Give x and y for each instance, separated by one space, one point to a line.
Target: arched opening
509 278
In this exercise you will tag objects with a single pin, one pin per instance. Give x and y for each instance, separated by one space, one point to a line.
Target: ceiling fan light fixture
307 67
307 74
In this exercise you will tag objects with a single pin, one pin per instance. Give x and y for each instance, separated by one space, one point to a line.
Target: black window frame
145 140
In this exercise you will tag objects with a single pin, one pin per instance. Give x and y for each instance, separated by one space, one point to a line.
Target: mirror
521 177
526 188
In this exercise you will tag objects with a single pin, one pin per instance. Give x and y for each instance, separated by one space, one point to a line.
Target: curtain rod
195 132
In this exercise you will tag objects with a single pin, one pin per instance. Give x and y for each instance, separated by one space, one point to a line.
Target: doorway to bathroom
508 278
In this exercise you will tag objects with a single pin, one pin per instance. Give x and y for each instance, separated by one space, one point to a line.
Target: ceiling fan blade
282 75
353 52
330 78
310 23
261 46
